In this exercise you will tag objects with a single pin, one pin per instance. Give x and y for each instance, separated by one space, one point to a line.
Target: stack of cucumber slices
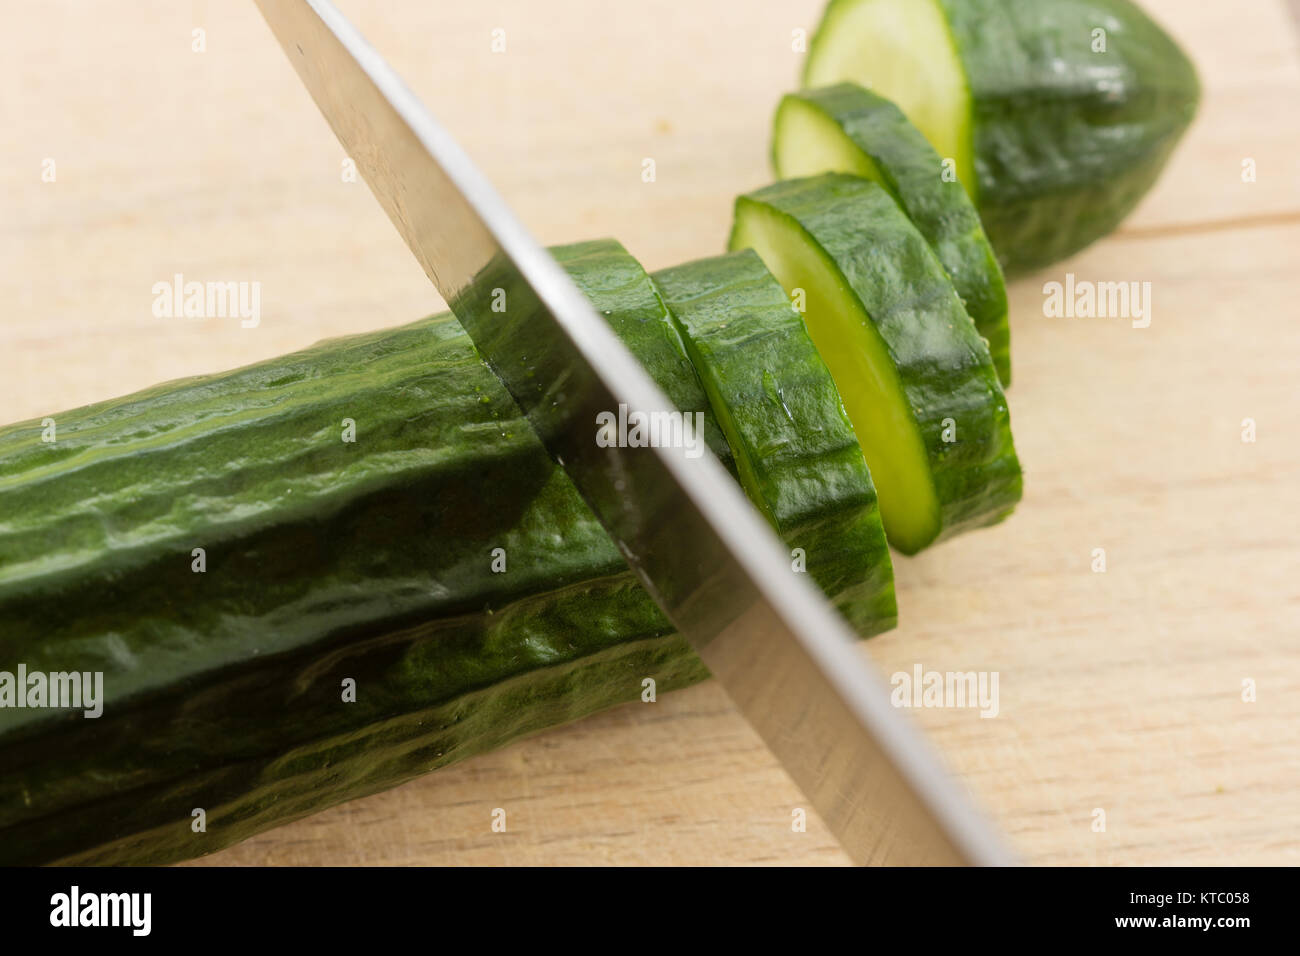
319 576
1056 115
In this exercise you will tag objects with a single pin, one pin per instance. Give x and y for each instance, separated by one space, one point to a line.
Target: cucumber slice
1055 137
796 453
608 275
904 50
372 561
845 128
916 378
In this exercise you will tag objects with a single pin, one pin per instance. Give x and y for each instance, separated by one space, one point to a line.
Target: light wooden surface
1120 691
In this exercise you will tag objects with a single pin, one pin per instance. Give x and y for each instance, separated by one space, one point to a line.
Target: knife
717 570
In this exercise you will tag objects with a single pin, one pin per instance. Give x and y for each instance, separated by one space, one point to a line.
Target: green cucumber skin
610 277
367 560
943 363
246 678
789 430
941 210
1066 141
376 750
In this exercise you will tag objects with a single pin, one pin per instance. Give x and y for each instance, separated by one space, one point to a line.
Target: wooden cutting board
1120 691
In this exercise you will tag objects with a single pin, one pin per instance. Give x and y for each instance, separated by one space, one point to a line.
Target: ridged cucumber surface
796 453
1060 114
904 50
324 561
608 275
915 375
845 128
232 565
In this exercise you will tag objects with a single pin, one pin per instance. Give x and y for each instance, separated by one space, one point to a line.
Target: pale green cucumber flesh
845 128
1070 108
903 50
915 376
799 459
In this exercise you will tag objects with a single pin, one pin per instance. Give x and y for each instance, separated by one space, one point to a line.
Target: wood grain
1120 691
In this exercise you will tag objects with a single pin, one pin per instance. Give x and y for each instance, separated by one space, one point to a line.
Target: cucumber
611 278
904 50
797 456
844 128
1055 138
915 376
325 561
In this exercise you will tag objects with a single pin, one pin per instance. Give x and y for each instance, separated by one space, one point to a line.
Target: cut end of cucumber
903 50
807 141
848 129
859 363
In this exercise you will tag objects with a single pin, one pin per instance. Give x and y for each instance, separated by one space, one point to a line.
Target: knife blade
717 570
